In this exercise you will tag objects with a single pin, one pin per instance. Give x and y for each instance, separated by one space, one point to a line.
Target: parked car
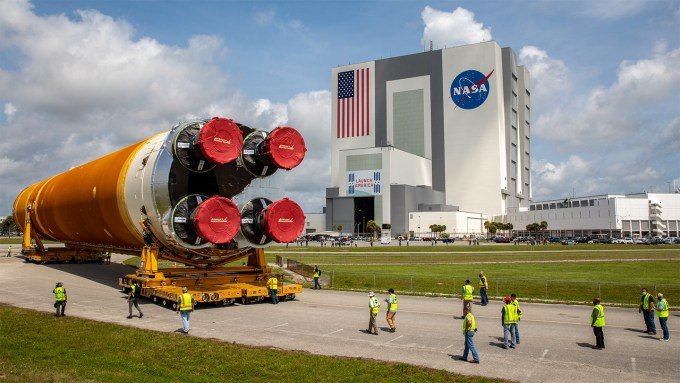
385 240
569 242
501 240
628 241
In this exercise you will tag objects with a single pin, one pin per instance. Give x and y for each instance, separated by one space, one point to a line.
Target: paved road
556 340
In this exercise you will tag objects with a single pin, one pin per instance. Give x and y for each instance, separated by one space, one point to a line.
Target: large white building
631 215
444 131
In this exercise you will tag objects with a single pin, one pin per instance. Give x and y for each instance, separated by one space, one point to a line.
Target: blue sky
81 78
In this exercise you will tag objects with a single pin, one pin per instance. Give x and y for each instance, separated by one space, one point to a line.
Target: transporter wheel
245 301
225 302
175 305
154 299
164 302
290 297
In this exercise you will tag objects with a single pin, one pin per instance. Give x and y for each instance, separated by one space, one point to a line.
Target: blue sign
470 89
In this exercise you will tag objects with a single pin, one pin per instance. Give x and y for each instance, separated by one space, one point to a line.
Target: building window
576 204
408 112
552 206
591 202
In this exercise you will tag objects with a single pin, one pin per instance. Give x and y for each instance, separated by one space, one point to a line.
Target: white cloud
556 180
264 17
605 113
613 9
87 86
452 28
549 76
10 109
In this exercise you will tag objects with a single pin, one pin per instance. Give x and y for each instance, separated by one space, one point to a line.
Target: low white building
315 223
631 215
458 223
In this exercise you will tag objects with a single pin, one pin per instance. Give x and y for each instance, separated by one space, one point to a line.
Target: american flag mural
353 103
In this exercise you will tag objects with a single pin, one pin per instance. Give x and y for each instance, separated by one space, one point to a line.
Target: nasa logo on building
470 89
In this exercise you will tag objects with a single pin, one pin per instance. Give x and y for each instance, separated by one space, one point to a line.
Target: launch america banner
363 182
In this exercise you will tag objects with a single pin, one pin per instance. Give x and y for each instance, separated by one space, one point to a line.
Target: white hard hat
371 294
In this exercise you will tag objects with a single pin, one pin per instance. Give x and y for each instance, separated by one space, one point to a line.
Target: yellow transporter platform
218 286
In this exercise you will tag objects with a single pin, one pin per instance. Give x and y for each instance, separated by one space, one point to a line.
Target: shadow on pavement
635 330
648 337
585 345
104 274
497 344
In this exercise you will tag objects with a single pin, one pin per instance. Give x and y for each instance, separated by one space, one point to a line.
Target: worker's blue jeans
517 333
509 330
185 319
316 283
470 346
274 295
664 327
482 293
649 320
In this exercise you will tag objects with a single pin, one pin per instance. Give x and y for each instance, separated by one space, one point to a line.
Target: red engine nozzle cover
220 140
284 221
285 147
217 220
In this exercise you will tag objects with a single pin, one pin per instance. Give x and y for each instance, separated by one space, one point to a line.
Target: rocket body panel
162 181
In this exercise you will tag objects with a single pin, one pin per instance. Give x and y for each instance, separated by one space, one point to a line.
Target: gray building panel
340 211
415 65
407 198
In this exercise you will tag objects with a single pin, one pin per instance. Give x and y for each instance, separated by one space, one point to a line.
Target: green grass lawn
443 270
37 347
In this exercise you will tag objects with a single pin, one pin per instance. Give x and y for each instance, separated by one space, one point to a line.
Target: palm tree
372 227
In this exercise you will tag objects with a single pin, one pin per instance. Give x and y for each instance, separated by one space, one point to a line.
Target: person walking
184 309
515 302
662 307
108 258
60 298
135 291
469 330
467 295
273 286
374 309
100 256
9 251
391 310
509 322
597 323
483 285
647 310
317 274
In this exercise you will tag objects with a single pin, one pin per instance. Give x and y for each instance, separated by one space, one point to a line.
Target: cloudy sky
79 79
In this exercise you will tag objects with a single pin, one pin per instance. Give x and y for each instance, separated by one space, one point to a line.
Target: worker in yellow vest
273 286
483 286
662 307
647 310
597 323
60 298
184 308
515 302
469 330
374 309
133 294
9 251
509 320
391 310
466 295
317 274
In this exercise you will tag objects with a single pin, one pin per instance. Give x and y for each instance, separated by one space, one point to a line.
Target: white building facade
631 215
440 131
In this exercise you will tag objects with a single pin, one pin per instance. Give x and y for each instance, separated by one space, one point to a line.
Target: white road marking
400 336
449 346
634 368
543 356
331 333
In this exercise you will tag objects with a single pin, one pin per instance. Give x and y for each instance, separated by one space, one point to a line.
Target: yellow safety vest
519 309
272 283
645 301
663 308
483 282
185 304
60 293
393 305
316 274
473 325
467 292
376 306
510 314
599 321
